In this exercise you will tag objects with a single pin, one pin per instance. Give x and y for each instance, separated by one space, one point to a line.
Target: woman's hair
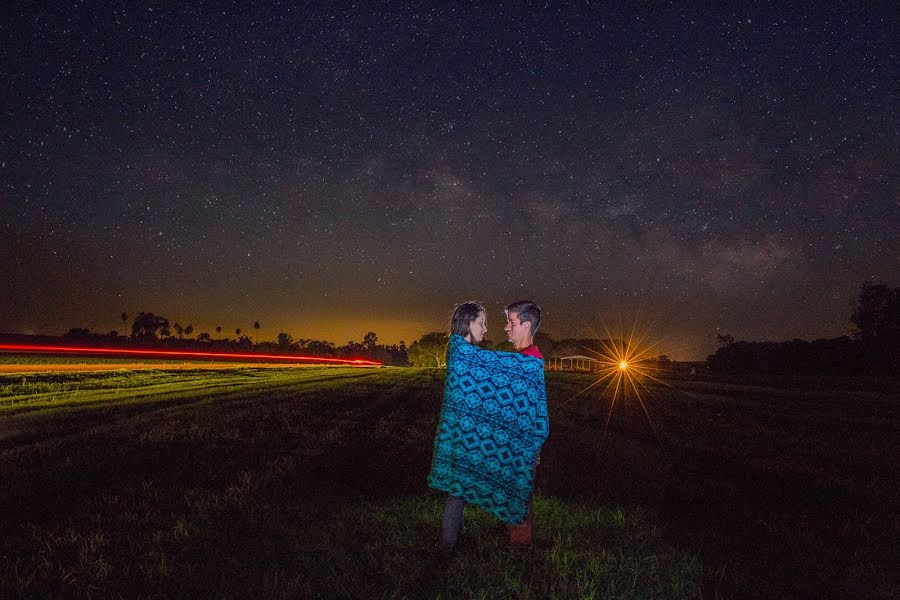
462 317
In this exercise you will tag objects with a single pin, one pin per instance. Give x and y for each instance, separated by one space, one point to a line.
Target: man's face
515 330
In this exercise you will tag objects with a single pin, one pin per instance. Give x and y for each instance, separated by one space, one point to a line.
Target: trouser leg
522 535
452 523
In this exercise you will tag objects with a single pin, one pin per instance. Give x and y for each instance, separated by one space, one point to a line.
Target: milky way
334 171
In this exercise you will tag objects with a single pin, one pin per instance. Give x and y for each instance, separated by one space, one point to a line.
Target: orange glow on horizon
186 354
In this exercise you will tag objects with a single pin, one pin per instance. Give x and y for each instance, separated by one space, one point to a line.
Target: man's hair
462 317
527 311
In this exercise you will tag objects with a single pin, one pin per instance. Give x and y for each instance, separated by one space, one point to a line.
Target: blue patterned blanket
492 425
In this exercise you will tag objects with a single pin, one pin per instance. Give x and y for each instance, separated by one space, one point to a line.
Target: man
522 321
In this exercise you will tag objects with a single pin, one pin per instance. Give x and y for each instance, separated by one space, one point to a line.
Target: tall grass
311 482
277 483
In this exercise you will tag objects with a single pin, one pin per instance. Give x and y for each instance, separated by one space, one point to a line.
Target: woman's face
477 328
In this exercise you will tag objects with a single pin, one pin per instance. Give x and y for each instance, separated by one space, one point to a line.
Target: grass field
305 482
48 359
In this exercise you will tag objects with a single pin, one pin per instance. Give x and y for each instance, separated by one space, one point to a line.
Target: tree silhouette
189 330
429 351
237 332
369 341
256 327
218 331
320 348
179 330
877 316
149 326
542 340
124 317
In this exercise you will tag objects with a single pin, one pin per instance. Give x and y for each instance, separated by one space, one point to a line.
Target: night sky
357 168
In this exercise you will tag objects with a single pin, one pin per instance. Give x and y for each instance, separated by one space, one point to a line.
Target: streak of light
184 354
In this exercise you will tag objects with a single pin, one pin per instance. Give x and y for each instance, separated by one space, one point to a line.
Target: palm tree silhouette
256 327
219 331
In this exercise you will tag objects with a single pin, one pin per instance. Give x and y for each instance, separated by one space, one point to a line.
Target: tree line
872 349
151 330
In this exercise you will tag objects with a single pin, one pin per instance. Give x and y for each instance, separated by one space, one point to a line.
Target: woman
469 321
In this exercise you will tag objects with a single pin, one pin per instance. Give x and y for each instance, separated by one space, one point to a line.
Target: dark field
305 482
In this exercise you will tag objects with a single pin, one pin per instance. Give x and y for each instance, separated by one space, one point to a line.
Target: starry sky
363 167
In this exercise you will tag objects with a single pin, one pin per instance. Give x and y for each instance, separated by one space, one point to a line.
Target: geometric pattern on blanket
492 424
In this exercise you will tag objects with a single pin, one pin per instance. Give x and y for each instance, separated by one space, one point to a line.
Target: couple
493 422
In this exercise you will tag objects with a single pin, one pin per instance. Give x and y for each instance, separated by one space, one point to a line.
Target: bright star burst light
627 364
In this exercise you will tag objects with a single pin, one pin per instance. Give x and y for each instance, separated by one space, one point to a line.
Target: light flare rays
627 363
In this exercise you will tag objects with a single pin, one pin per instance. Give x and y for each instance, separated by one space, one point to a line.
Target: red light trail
186 354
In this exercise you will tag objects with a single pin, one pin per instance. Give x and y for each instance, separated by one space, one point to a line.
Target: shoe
521 535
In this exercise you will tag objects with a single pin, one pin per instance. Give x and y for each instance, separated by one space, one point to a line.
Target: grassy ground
304 482
791 492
